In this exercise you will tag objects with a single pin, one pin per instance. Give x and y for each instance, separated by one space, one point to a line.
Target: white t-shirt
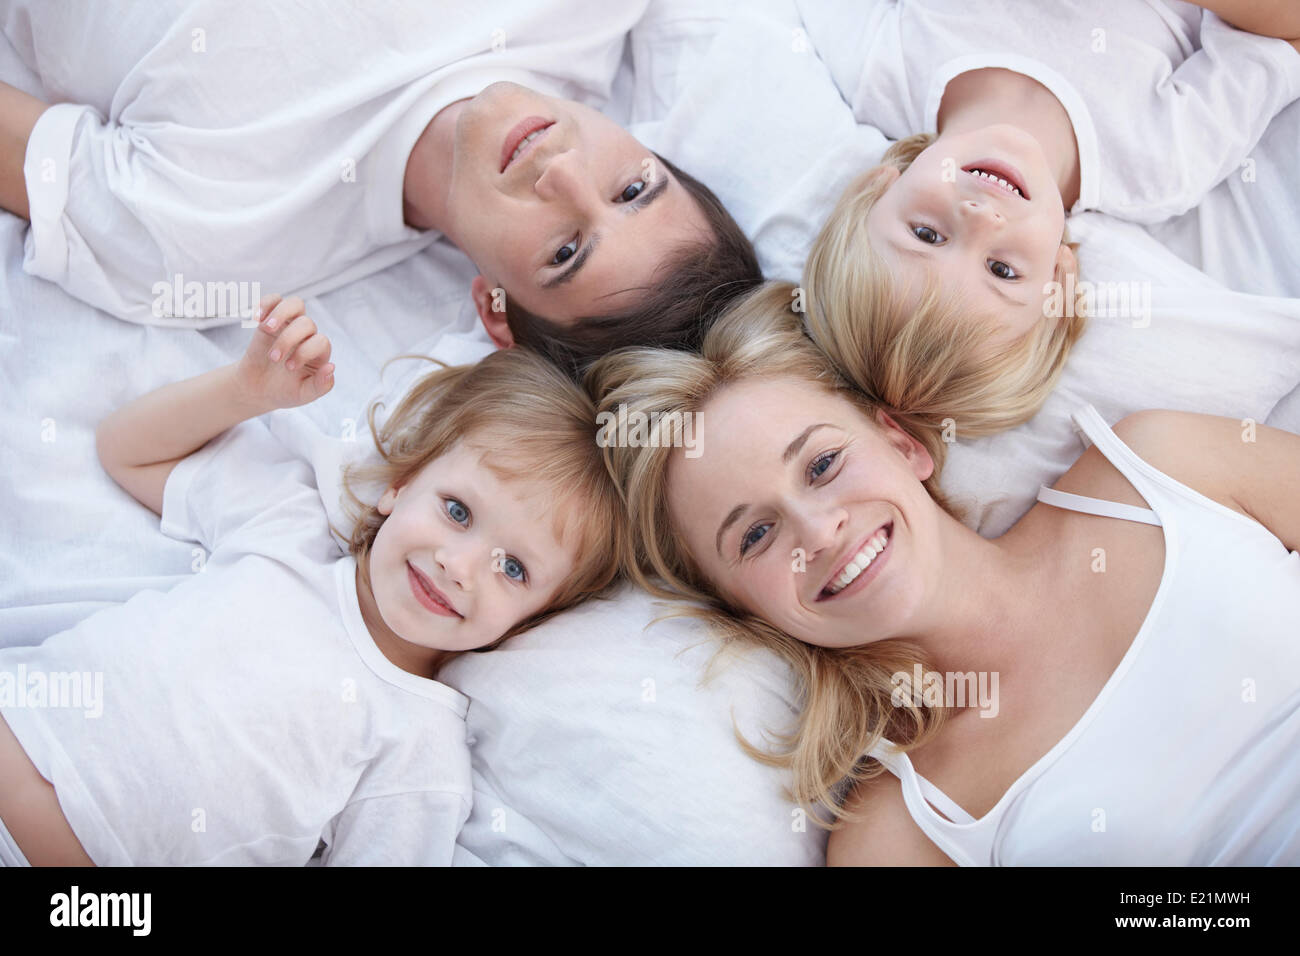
1166 99
226 157
245 715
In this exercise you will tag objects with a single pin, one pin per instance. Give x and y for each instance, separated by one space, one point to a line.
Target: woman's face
786 504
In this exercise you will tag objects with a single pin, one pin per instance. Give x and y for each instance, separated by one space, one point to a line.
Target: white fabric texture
1191 751
1177 74
224 159
246 714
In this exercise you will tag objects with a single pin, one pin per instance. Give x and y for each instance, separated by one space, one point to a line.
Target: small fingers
313 351
294 334
284 312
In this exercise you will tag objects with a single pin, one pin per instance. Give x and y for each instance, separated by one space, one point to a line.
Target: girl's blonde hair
847 693
921 356
536 425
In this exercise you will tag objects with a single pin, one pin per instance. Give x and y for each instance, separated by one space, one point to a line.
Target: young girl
1127 654
286 696
1141 111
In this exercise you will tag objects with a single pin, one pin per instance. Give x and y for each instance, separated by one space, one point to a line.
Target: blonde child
286 696
1130 108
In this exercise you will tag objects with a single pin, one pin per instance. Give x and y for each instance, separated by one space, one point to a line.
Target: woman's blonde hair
847 693
538 426
923 356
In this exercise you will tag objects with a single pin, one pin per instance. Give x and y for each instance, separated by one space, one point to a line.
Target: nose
820 530
978 213
456 565
561 178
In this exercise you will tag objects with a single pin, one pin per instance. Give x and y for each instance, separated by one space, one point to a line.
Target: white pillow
595 742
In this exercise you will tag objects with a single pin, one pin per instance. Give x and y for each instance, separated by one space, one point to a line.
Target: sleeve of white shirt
406 829
1209 115
244 480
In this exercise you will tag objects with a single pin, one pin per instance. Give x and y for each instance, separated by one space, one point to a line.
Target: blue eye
512 569
750 539
928 235
458 512
639 186
827 459
565 252
1002 270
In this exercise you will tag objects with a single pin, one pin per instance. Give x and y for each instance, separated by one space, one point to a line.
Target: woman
1137 628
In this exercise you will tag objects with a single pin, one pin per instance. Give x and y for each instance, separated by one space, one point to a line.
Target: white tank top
1190 755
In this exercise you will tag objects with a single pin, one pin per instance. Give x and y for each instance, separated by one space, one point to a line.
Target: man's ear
911 449
485 296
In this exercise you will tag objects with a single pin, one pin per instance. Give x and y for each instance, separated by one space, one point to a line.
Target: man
303 147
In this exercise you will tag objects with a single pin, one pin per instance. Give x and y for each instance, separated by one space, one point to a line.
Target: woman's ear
916 454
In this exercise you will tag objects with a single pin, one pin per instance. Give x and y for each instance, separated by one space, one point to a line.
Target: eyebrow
791 450
641 202
908 249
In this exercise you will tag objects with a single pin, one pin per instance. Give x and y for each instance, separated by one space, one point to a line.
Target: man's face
577 221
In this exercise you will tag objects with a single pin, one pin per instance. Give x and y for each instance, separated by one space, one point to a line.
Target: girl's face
463 556
995 244
785 507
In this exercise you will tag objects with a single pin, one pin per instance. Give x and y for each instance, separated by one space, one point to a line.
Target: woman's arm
18 115
287 364
1245 466
1269 18
886 835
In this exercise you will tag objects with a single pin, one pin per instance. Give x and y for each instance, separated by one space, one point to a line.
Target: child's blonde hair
539 426
914 354
846 692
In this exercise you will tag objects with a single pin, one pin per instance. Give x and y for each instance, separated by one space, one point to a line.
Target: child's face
995 246
791 491
486 545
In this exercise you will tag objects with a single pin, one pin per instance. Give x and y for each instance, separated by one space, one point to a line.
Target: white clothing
246 714
1190 754
225 159
1166 99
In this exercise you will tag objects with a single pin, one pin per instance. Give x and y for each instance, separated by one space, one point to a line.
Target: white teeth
524 142
859 563
981 174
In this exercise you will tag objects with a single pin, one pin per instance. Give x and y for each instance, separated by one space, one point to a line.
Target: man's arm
18 115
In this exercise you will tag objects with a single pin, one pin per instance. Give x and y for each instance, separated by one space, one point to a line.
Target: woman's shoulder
884 833
1193 449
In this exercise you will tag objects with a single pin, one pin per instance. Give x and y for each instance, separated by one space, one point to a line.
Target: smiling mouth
999 175
521 137
859 563
428 595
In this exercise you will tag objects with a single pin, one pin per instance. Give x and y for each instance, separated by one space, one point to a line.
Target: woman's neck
989 612
980 98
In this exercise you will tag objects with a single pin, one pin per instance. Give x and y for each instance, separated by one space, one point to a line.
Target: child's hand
287 362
